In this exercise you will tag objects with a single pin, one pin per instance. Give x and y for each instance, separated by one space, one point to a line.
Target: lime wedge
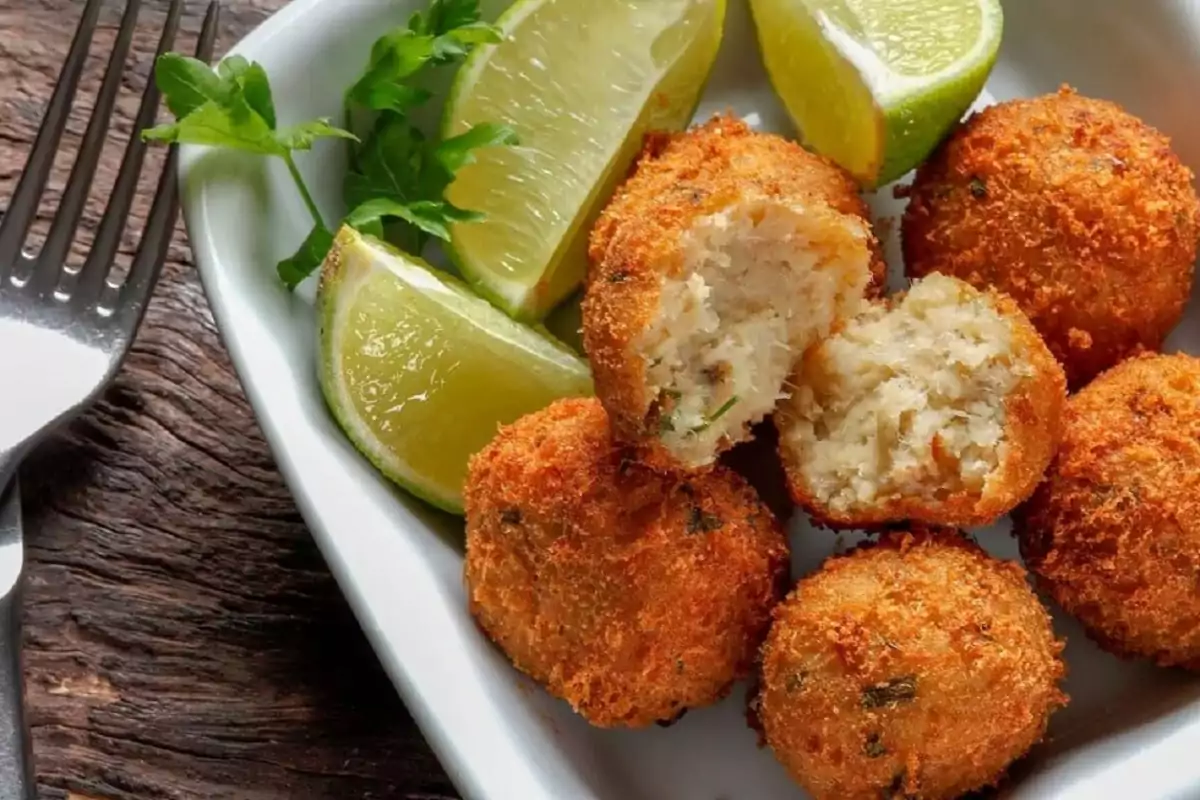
580 82
419 372
876 84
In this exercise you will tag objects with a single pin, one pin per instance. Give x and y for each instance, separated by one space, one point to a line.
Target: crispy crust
1078 210
679 178
919 667
1032 430
631 594
1113 534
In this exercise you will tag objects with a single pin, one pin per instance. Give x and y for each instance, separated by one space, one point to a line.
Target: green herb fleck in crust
701 521
890 693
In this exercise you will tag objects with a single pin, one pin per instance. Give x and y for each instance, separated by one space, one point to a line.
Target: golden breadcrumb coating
1113 534
632 594
943 406
1078 210
918 668
720 260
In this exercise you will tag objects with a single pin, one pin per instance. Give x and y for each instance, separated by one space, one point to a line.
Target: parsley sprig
397 177
232 108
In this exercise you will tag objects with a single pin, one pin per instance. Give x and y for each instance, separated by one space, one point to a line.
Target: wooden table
184 638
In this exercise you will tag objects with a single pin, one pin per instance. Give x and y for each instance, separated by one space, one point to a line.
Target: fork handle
17 781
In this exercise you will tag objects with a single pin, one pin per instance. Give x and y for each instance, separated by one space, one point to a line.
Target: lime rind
918 124
918 111
335 284
849 103
820 88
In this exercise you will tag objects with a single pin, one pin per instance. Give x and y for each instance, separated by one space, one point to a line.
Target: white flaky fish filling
760 282
906 402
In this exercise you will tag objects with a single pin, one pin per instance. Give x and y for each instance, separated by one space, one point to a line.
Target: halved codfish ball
724 257
943 407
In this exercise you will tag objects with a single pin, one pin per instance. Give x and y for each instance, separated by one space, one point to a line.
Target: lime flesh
876 84
419 372
580 83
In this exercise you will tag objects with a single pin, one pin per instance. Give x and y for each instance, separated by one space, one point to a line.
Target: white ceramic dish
1131 731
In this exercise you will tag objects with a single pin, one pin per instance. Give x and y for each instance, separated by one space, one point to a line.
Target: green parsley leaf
376 210
475 33
444 33
431 217
252 80
385 164
186 83
443 16
396 175
302 136
233 108
395 56
232 125
397 179
231 67
393 97
236 111
458 151
308 257
457 43
409 174
166 133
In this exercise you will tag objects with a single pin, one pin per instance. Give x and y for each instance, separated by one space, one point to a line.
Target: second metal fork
64 332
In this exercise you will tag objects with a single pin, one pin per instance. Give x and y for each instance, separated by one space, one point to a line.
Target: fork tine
160 224
24 202
108 239
208 32
156 239
53 255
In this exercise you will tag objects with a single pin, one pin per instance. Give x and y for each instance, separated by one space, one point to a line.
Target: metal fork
63 332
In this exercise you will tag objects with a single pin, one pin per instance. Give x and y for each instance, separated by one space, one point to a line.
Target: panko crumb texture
678 172
919 667
1078 210
632 594
1113 534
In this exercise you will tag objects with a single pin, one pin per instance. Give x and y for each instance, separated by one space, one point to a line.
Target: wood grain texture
184 638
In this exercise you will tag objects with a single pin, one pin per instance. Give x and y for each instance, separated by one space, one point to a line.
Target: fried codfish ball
1078 210
1113 534
725 255
944 407
918 668
632 594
